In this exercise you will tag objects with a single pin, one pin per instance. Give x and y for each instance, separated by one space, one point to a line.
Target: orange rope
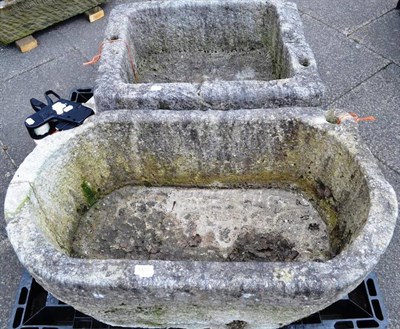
355 117
97 57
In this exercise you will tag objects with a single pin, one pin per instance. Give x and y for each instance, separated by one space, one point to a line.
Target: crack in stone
5 150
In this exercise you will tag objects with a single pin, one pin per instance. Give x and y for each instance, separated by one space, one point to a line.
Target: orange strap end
94 60
355 117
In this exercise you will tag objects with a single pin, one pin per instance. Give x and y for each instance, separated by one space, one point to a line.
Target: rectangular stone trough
207 54
218 219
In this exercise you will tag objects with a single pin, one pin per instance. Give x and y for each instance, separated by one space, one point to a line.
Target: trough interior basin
208 189
208 224
205 41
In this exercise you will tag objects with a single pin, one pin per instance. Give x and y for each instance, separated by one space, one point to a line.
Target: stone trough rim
299 278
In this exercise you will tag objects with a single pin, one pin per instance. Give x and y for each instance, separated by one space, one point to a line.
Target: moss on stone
89 193
22 204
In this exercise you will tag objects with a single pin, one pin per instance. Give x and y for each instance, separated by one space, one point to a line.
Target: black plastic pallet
35 308
81 95
361 308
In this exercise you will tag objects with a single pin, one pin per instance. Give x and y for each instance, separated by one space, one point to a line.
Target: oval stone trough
236 219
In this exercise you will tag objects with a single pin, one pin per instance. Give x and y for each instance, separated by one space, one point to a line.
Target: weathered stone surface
7 170
220 224
58 183
208 54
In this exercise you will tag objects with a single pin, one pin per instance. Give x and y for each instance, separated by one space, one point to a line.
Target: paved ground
357 46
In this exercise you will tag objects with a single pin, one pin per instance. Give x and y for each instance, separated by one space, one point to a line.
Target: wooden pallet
28 43
21 18
94 14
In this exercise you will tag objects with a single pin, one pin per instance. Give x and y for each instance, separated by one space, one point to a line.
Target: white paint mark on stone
319 120
144 271
246 74
98 295
155 88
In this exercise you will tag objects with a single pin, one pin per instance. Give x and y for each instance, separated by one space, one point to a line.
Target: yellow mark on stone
283 275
